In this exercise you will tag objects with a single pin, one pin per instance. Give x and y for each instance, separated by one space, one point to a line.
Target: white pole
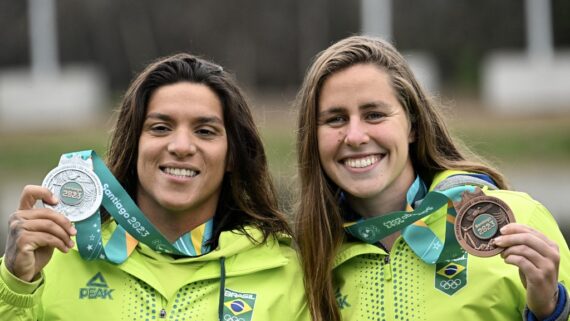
43 38
539 29
377 18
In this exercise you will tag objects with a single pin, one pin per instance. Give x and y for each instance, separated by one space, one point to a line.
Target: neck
173 224
376 207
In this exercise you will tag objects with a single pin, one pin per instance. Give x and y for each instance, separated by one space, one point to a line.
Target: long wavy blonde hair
318 221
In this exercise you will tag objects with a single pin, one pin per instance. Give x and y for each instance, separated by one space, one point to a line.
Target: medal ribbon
421 239
132 225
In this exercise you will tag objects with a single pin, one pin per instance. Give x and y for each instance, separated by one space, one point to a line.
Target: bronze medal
478 221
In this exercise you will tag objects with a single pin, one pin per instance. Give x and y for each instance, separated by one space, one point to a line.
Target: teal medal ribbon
449 258
421 239
131 223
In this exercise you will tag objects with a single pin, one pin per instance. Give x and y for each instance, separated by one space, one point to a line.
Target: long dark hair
247 196
318 220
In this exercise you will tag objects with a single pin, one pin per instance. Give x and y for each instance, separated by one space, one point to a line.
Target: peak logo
341 300
97 288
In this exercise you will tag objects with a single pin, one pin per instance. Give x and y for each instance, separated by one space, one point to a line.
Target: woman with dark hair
211 244
382 185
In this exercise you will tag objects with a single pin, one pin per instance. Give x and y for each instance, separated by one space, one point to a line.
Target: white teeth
183 172
361 162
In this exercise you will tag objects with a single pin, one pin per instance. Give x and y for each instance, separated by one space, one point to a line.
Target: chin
362 192
174 206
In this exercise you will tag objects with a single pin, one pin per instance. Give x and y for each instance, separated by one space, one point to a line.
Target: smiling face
364 135
182 152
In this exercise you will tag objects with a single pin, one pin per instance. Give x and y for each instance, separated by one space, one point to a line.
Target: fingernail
73 230
71 244
54 199
497 239
503 229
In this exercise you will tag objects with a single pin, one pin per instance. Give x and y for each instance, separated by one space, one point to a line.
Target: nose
356 134
181 144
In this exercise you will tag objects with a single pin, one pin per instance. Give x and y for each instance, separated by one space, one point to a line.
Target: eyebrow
159 116
200 120
363 107
374 104
210 120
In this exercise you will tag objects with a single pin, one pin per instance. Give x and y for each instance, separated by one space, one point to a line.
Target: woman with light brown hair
374 155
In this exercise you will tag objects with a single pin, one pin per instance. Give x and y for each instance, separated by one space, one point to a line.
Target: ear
412 136
412 133
229 164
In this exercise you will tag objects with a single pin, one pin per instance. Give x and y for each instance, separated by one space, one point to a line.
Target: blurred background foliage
269 44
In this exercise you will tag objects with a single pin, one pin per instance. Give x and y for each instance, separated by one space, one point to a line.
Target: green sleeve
542 220
19 300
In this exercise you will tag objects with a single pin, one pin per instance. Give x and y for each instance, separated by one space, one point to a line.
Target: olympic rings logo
228 317
368 232
450 284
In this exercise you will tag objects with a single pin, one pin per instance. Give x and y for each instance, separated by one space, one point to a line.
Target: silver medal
78 189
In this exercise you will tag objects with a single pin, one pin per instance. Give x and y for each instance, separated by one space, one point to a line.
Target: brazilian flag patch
451 270
238 306
452 276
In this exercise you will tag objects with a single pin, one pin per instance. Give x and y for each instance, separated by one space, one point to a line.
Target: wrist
547 310
17 284
561 309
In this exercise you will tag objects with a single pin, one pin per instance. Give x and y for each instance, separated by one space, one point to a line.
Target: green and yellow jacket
239 281
372 284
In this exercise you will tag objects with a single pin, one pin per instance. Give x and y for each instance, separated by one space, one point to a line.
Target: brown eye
207 132
204 132
160 128
336 120
374 116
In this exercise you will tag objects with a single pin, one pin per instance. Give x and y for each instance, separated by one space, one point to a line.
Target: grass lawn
510 141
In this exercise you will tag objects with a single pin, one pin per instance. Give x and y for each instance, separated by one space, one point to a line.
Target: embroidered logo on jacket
341 300
97 288
451 277
238 306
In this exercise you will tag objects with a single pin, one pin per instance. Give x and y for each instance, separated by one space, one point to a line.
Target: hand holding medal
71 189
479 221
483 228
35 233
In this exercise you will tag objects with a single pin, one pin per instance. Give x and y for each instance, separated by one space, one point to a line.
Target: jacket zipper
387 257
386 267
162 313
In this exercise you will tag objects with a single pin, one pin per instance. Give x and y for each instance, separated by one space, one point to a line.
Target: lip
179 165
